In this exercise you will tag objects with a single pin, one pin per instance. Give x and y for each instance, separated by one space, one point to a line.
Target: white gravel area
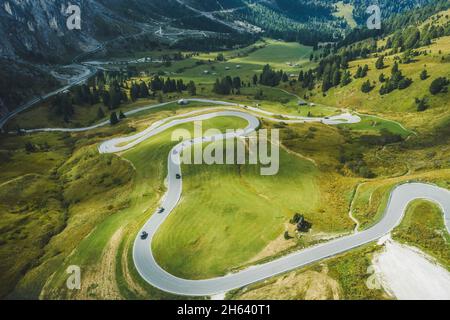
408 274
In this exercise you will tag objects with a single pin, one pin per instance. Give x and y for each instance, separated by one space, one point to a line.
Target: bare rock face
37 31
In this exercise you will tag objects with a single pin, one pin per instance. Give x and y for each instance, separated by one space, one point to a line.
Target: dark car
144 235
161 210
178 176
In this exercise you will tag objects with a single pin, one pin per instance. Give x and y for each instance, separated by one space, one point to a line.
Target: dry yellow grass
306 285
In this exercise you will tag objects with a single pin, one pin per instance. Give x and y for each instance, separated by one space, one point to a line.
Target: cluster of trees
406 34
112 90
139 91
439 85
413 37
114 97
389 8
401 33
114 119
396 81
83 95
91 93
142 90
167 85
379 64
62 105
366 87
293 24
421 104
333 72
228 85
270 77
361 72
307 79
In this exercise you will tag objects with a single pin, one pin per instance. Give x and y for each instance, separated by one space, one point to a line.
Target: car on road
161 210
144 235
178 176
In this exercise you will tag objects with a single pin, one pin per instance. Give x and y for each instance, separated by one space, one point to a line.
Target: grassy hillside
339 278
423 227
225 207
398 105
204 69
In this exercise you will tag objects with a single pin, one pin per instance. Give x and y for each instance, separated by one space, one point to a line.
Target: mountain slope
36 30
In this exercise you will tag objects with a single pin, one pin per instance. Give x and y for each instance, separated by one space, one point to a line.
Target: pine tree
358 72
346 78
394 68
113 119
404 83
336 77
366 87
143 90
255 80
192 89
424 75
106 98
364 71
115 98
237 83
134 92
379 64
100 113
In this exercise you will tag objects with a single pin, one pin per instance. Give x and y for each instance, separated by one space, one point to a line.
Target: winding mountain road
143 257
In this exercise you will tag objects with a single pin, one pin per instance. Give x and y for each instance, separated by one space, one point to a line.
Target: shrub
404 83
439 85
424 75
421 104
